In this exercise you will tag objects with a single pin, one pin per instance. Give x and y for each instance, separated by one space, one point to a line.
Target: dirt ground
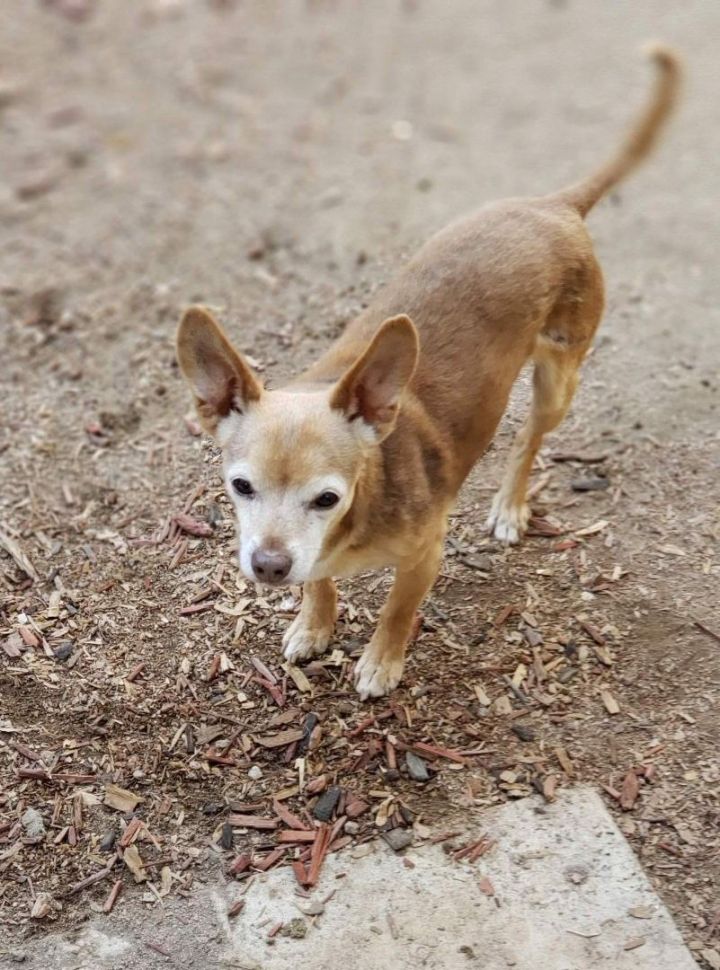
276 161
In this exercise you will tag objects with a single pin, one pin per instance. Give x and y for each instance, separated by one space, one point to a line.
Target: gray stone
595 484
32 823
325 805
107 843
398 839
417 769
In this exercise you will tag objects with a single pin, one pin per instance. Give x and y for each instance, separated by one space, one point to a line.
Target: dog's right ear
219 376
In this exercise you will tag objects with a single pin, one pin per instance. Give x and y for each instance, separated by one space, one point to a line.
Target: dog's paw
507 523
377 675
301 642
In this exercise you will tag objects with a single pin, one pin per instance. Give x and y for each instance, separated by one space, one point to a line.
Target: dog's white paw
375 675
507 523
301 642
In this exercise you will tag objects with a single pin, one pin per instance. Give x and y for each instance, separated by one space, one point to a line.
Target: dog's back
496 288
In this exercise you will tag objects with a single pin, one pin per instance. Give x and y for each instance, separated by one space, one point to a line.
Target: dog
356 463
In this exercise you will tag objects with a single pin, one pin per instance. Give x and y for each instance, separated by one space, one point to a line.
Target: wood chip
192 526
670 550
134 862
135 672
593 529
264 671
486 887
592 631
241 864
319 851
296 836
237 907
59 777
98 876
482 695
630 791
121 799
291 820
13 646
268 861
13 548
112 898
433 751
131 833
565 762
611 705
549 788
282 739
299 679
503 615
252 822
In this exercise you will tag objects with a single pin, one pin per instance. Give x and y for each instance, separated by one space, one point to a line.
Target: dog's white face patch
290 468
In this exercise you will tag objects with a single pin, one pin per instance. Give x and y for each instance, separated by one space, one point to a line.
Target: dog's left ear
372 388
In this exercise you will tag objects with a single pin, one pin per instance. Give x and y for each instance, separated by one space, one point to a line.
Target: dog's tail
641 139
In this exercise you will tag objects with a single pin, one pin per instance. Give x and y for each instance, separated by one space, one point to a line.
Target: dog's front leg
380 668
311 631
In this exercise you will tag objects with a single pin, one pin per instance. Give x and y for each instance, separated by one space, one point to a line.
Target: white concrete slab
565 882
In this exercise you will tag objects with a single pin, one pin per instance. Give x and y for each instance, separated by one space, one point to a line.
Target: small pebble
482 562
255 773
417 769
32 822
595 484
212 808
398 839
326 804
524 732
63 651
107 842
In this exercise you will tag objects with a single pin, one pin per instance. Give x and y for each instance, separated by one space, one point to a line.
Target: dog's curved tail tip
642 137
663 54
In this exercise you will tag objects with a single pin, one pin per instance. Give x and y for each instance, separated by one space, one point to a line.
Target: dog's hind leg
559 351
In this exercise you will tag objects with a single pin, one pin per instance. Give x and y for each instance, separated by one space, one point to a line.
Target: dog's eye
326 500
243 487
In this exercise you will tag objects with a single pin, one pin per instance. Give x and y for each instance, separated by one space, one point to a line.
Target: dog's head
292 459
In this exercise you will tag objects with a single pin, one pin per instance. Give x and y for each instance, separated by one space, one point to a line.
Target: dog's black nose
271 566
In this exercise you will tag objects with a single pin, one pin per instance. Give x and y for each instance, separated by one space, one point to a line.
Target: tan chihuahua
356 464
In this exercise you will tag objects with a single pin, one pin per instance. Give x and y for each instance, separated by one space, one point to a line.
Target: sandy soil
276 161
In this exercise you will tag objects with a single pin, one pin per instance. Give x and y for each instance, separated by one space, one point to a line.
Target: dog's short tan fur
398 430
